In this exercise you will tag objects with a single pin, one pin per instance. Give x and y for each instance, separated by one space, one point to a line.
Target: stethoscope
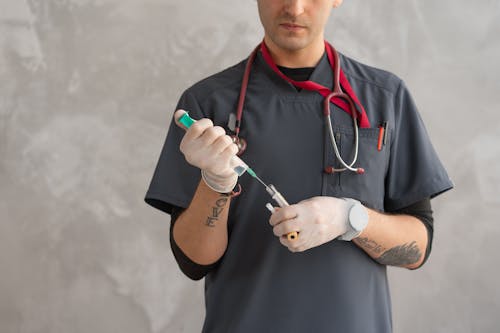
336 93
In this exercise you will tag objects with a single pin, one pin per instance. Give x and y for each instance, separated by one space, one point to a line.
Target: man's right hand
207 147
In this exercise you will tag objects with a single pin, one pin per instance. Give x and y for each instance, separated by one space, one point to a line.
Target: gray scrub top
259 285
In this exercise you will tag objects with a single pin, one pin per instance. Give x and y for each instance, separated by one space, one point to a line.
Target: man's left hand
318 220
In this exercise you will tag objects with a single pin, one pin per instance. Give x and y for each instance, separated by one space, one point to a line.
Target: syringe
240 168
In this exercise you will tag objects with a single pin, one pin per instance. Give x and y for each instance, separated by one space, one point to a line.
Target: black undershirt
297 74
421 210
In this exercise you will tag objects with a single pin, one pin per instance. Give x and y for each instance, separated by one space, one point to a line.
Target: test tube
236 163
281 201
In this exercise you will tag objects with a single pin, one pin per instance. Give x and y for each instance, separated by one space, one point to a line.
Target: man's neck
306 57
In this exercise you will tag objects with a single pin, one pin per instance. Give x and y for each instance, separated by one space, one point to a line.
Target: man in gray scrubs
332 278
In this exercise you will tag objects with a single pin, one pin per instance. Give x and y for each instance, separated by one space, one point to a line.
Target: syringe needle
254 175
260 181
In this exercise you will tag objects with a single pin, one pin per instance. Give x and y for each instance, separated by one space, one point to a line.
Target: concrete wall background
87 88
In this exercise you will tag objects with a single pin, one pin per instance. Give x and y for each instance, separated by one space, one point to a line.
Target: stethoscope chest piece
233 125
241 143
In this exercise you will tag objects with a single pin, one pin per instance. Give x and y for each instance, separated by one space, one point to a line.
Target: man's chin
291 43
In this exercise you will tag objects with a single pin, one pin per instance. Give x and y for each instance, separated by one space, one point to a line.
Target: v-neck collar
321 74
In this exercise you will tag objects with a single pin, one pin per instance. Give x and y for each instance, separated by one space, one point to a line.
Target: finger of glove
283 214
198 129
285 227
198 139
222 143
219 159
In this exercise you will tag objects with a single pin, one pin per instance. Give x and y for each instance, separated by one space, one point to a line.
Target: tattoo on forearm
216 211
406 254
370 244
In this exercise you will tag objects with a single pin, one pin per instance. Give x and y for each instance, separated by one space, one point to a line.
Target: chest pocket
369 187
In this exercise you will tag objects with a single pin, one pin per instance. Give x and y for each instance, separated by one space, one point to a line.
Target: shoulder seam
354 76
210 92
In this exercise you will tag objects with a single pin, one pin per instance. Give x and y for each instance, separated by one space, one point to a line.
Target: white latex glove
207 147
318 220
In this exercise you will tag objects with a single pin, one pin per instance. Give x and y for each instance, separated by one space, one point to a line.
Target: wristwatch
357 219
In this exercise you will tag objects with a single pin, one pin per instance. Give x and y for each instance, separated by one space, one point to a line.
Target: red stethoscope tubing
336 93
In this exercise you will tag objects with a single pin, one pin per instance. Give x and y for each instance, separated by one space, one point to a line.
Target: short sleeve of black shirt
174 180
414 168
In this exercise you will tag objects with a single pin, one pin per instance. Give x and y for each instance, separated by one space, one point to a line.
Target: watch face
358 217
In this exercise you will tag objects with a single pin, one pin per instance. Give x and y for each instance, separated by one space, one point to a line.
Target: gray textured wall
87 89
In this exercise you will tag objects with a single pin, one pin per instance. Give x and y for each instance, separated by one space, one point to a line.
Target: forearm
201 230
395 240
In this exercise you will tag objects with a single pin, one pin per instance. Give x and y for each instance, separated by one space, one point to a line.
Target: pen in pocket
382 135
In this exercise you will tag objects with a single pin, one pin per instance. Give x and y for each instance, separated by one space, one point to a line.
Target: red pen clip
382 134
